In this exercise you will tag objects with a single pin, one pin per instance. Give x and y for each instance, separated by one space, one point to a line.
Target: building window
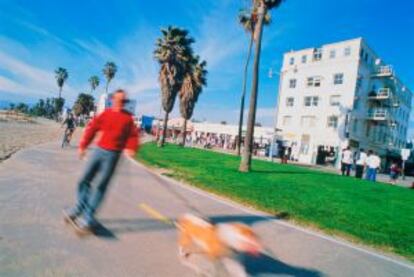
308 121
311 101
347 51
291 60
338 79
359 82
366 57
290 101
361 53
356 103
333 121
317 54
332 54
335 100
355 126
287 120
304 57
314 81
292 83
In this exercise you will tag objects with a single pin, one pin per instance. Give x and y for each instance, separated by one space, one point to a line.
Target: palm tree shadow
247 219
265 264
133 225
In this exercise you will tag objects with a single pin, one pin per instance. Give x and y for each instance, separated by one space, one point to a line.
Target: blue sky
38 36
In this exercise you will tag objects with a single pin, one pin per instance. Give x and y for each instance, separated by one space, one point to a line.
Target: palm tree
194 80
173 52
109 71
93 82
61 75
262 7
248 21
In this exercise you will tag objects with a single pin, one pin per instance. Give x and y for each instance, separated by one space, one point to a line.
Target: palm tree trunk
106 88
164 131
60 92
184 132
243 96
245 163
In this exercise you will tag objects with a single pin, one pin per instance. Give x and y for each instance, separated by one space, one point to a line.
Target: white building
341 94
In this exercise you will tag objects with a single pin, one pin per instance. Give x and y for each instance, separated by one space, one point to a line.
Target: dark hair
117 91
361 150
370 152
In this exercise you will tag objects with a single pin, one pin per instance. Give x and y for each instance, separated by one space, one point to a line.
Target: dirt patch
15 135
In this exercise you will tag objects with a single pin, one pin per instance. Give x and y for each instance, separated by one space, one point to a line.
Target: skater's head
119 98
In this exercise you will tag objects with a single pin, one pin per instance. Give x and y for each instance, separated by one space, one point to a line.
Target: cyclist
70 128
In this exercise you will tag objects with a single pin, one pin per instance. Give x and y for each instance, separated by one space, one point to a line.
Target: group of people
369 162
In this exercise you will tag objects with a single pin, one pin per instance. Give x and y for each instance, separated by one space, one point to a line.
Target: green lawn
373 213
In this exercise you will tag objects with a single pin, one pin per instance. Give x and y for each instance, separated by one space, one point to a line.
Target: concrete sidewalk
36 184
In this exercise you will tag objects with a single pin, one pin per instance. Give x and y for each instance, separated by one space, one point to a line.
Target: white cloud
26 79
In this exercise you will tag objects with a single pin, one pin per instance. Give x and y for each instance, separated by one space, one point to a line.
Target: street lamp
276 111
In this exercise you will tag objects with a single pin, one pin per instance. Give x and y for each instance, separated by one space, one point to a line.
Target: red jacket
117 131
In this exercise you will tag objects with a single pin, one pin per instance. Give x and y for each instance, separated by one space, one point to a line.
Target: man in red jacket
118 133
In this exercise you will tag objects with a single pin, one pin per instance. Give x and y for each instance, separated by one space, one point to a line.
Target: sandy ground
17 135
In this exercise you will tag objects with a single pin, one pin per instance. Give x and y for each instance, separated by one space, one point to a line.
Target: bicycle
67 136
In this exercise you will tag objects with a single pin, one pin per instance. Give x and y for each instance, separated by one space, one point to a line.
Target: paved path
36 184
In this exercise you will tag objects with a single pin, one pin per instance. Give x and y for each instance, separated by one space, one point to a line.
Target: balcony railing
383 71
378 114
380 94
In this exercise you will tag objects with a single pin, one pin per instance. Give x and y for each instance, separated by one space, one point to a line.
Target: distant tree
58 104
262 7
12 106
49 109
194 81
22 107
109 71
39 108
61 75
248 20
84 104
258 124
173 51
93 82
223 122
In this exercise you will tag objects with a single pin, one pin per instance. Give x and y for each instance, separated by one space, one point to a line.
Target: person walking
361 159
346 161
373 164
394 172
118 133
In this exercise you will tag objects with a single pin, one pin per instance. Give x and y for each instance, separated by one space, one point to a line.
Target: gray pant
104 163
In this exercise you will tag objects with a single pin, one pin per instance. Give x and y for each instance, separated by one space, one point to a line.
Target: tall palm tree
194 81
262 6
93 82
61 75
109 71
247 20
173 52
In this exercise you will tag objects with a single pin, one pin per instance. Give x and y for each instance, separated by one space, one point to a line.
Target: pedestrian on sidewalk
117 133
394 172
361 159
346 161
373 164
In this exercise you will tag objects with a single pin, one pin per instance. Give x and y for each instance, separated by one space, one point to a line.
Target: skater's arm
90 131
132 143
